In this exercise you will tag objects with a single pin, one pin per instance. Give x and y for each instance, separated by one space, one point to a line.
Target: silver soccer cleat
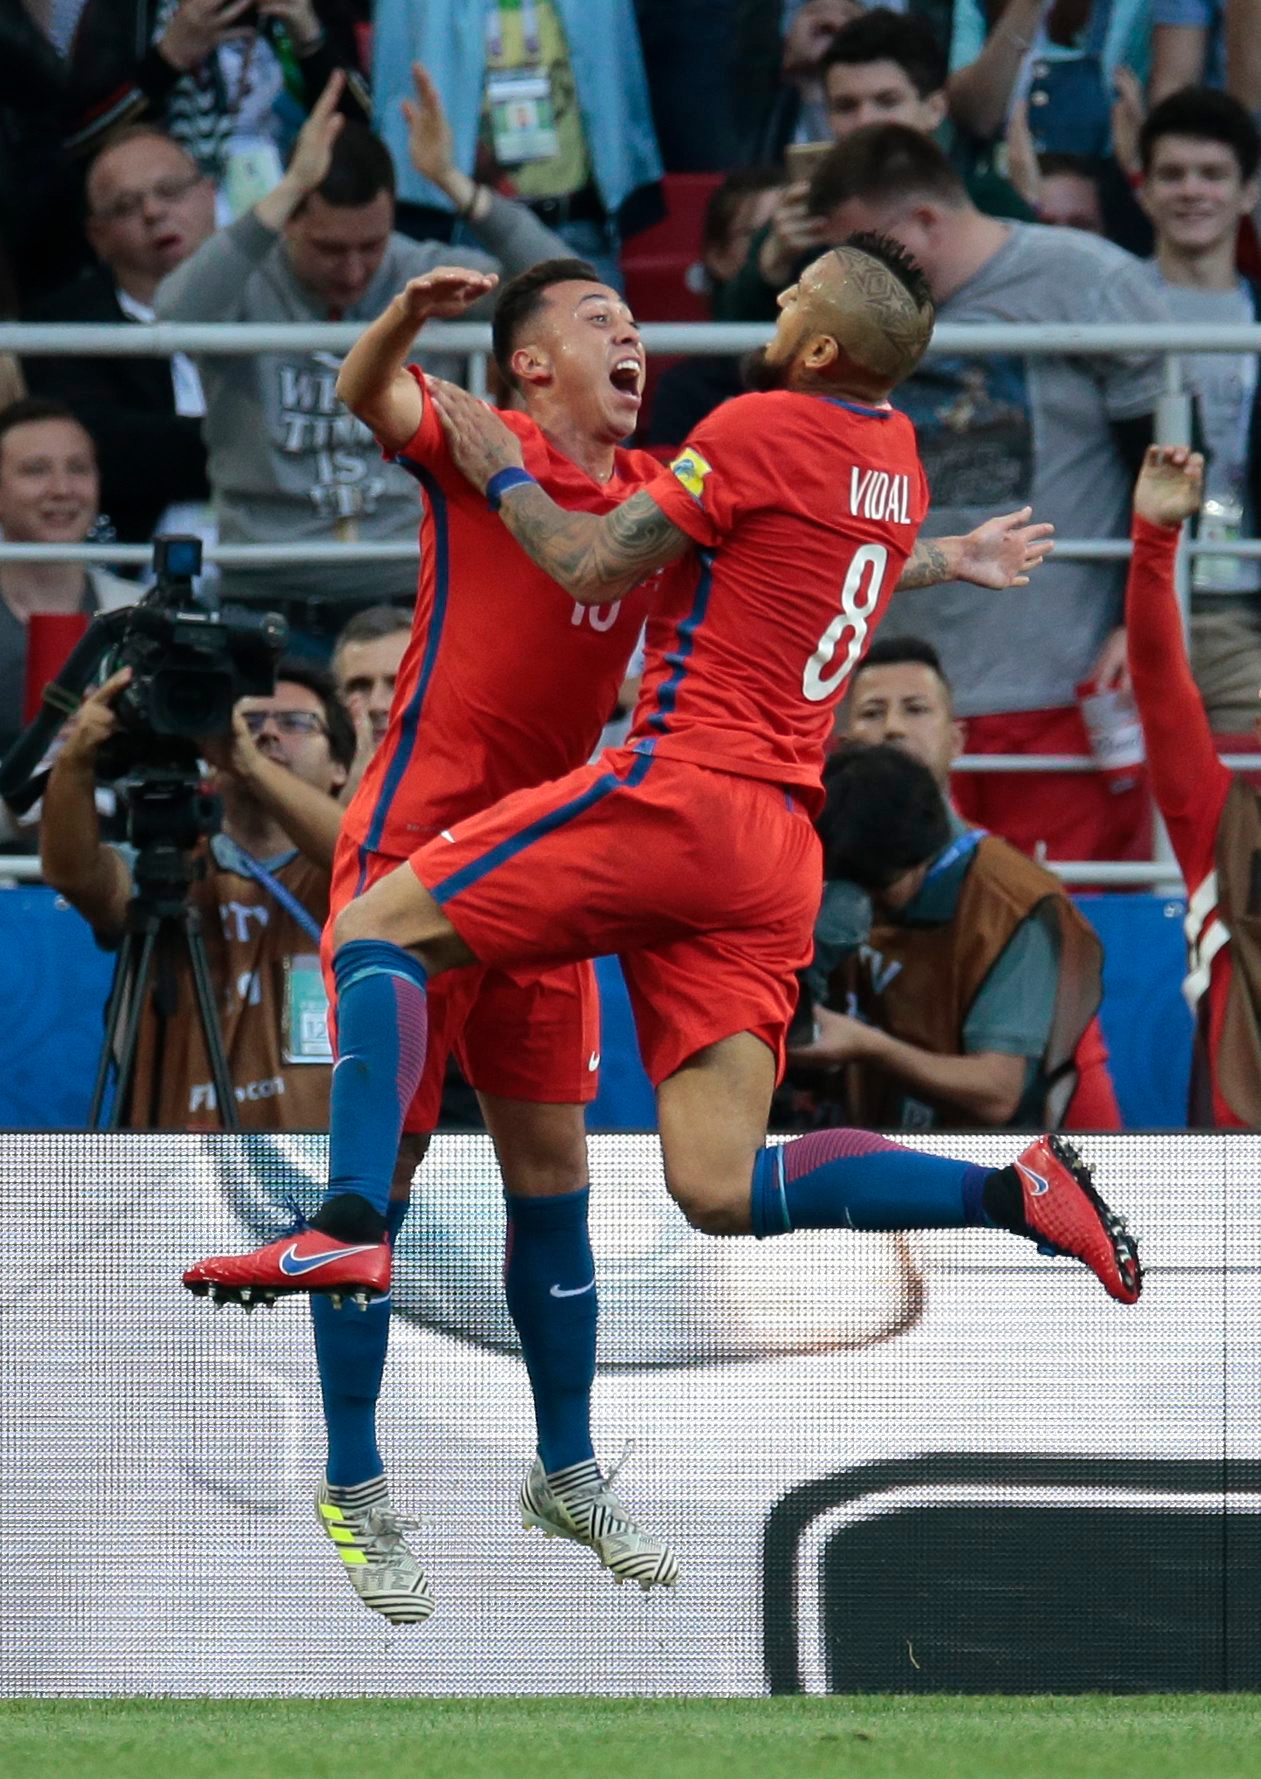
380 1566
578 1504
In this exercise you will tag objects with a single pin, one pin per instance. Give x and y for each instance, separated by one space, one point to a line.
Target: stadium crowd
1052 162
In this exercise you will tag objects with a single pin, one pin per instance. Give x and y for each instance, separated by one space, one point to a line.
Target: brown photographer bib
929 977
263 968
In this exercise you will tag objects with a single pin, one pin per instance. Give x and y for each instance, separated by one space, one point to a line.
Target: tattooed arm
596 558
1001 553
929 563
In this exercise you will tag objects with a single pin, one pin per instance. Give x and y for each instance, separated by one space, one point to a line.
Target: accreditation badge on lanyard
519 100
305 1030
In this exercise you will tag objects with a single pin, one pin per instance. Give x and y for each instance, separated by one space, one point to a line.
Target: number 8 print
857 606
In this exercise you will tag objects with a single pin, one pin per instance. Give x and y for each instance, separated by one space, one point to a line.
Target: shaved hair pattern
882 307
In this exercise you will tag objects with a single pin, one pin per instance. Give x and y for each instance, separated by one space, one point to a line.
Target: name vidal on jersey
875 494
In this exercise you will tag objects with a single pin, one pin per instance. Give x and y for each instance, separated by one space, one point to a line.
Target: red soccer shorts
531 1035
706 885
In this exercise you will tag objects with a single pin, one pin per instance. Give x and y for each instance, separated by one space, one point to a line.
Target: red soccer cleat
302 1261
1065 1215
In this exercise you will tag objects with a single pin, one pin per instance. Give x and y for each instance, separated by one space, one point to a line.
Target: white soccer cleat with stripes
578 1504
368 1536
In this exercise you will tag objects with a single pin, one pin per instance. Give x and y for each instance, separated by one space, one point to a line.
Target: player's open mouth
626 377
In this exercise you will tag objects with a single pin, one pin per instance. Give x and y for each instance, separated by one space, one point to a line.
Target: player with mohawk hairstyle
691 851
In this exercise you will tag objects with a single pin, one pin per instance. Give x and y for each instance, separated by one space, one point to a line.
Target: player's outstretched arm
595 558
1003 552
374 382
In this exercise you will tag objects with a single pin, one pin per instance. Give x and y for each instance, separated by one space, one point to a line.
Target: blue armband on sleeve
502 481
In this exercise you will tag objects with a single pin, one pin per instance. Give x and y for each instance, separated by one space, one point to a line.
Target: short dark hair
1080 166
341 730
883 816
726 199
29 409
901 651
884 36
1208 114
360 167
521 299
371 624
893 256
884 163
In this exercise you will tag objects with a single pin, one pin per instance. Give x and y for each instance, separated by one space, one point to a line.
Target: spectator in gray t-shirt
287 463
1063 434
1200 150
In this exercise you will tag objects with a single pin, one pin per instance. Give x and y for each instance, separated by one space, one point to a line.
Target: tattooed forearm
930 563
595 557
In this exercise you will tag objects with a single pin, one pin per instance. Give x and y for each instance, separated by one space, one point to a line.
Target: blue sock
549 1280
350 1347
853 1179
382 1031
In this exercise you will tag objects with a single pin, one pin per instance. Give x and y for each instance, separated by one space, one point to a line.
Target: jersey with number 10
805 509
506 681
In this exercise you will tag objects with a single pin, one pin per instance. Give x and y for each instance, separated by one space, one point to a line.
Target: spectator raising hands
198 27
231 80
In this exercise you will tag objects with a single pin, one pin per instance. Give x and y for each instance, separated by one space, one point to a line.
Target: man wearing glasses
263 898
148 207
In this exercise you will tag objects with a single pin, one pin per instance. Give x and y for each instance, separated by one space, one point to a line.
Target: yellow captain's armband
691 469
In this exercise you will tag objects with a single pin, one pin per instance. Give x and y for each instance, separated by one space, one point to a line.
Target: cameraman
970 992
262 897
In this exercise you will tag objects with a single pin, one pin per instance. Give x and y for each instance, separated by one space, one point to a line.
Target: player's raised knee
715 1207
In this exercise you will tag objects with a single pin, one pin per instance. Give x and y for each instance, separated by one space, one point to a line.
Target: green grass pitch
1160 1737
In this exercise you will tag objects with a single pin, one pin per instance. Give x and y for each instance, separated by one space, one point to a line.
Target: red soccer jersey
806 509
507 680
1189 780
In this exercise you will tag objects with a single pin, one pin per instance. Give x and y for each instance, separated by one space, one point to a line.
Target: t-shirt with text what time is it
998 432
805 508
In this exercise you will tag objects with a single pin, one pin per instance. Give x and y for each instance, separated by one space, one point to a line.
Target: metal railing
1082 873
236 339
471 341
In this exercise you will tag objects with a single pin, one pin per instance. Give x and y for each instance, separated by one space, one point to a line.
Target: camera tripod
167 815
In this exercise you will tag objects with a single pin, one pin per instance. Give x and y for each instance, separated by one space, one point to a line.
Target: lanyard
1247 400
286 898
1247 380
959 848
529 27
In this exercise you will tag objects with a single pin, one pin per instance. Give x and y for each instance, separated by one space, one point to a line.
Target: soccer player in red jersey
505 682
691 851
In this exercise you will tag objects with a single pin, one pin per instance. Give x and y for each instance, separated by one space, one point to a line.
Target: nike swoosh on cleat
1038 1185
293 1267
577 1291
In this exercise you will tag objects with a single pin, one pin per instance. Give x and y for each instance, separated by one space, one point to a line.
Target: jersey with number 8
805 509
